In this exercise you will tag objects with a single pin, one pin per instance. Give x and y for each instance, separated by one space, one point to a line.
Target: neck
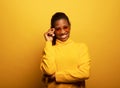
59 42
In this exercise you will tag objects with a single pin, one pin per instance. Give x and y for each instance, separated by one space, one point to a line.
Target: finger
50 34
53 34
52 29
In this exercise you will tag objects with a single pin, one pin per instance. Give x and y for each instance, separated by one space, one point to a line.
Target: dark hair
55 17
58 16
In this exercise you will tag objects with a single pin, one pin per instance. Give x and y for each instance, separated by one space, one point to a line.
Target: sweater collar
58 42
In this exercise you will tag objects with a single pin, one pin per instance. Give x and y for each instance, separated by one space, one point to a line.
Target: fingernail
53 34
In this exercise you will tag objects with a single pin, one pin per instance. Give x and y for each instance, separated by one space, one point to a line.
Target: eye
65 27
57 29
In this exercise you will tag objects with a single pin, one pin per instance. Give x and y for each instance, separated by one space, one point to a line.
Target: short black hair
58 16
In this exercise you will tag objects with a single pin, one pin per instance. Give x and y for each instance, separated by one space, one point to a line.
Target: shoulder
81 45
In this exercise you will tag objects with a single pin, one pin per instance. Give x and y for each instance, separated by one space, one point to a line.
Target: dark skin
61 31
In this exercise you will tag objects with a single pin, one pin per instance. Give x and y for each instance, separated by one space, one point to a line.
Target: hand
49 34
53 76
50 77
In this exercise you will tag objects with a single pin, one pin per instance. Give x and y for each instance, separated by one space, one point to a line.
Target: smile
64 36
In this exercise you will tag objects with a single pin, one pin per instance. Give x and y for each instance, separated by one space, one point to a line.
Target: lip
64 36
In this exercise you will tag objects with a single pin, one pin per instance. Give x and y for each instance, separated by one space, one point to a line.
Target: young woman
65 64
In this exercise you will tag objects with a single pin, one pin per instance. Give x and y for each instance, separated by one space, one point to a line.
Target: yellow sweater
69 61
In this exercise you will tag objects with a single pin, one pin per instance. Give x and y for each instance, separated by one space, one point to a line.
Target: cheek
57 33
67 30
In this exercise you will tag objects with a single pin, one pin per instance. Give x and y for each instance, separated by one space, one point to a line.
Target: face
62 29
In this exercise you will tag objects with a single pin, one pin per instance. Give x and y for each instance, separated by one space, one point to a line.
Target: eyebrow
62 26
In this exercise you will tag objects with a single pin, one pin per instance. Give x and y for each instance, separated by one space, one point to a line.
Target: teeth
63 36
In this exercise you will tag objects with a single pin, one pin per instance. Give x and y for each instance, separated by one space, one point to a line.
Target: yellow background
23 22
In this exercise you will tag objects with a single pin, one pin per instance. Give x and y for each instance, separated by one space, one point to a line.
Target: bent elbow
48 71
86 75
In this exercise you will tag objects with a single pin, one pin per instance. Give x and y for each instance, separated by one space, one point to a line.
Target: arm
48 61
80 73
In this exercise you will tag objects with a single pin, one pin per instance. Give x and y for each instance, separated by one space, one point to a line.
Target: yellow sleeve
81 72
48 61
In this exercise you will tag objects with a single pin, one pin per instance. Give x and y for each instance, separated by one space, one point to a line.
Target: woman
66 64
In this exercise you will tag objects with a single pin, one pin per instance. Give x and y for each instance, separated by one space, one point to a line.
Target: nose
62 31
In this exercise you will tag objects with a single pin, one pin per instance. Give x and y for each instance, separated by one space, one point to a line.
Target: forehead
61 22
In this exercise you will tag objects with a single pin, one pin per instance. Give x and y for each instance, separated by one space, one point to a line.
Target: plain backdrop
23 22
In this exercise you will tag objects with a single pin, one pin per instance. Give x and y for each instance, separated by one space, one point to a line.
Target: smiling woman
65 63
22 25
62 29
